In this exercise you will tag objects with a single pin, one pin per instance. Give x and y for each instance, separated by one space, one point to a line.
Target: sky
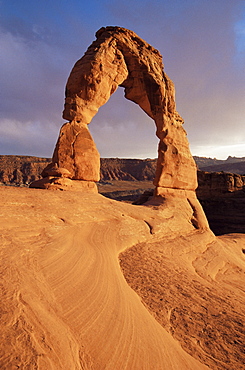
203 47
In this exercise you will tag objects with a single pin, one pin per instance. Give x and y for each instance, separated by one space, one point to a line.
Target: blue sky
203 48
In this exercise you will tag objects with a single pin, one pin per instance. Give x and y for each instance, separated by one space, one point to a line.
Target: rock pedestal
75 163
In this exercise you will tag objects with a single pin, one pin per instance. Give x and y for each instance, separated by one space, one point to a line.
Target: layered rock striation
127 169
22 170
218 183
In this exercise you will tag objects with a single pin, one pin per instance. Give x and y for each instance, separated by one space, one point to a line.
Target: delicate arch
119 57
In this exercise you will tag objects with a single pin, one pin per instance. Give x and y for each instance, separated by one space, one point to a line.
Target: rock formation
21 170
175 302
119 57
127 169
218 183
222 197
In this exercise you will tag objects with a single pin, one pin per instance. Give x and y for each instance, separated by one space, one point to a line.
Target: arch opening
121 129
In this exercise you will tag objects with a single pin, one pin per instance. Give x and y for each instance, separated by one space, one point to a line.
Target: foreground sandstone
66 304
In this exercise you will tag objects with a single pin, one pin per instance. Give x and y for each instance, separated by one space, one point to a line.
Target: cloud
32 94
32 82
221 151
27 138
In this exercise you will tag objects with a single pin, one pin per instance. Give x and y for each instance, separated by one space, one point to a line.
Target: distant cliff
22 170
231 164
215 183
128 169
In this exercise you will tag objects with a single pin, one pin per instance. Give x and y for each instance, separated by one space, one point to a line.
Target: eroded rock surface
65 302
118 57
219 183
77 152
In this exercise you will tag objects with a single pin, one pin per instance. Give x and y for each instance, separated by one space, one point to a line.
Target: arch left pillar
76 160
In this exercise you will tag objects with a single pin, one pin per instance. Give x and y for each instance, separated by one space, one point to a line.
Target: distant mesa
118 57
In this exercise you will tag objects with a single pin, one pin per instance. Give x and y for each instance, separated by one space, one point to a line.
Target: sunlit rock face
119 57
76 151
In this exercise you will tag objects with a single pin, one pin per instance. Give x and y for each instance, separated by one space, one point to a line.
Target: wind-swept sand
91 283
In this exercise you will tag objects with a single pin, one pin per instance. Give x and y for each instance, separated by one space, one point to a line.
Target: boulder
55 171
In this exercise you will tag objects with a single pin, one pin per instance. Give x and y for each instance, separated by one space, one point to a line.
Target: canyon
22 170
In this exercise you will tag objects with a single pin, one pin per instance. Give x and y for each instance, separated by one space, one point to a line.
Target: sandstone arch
118 57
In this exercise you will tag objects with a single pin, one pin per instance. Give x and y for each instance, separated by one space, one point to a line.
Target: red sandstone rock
119 57
62 183
219 183
55 171
77 152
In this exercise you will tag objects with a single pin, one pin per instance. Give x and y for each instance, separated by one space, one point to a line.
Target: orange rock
76 151
55 171
62 183
119 57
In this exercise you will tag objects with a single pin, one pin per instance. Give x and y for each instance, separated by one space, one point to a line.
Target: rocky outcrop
218 183
118 57
76 151
128 169
21 170
222 196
